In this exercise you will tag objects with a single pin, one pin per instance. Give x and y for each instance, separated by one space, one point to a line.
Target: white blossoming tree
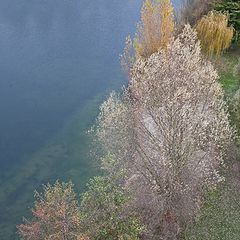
170 130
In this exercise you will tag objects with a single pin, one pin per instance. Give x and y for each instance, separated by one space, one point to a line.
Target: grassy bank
220 215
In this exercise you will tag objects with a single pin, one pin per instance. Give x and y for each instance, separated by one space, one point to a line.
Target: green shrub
232 7
104 211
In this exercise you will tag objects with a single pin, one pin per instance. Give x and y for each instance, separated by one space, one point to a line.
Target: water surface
57 58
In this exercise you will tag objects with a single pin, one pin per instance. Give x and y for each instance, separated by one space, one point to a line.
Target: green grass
219 218
229 82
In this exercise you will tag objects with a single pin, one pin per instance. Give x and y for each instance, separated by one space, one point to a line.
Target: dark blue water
55 55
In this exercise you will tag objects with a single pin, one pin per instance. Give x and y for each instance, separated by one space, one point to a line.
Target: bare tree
193 10
175 129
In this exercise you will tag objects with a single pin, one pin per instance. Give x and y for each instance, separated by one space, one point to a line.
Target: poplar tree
154 32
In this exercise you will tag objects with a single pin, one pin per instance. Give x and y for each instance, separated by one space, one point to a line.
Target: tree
176 121
154 31
115 131
193 10
156 27
55 215
214 33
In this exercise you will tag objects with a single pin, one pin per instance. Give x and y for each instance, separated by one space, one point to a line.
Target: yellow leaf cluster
214 33
156 27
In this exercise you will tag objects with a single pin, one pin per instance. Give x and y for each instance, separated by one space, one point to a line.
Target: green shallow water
66 156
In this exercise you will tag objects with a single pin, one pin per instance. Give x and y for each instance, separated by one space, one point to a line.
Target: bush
214 33
105 214
55 215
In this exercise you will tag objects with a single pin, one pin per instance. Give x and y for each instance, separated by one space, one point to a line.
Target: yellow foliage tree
154 32
156 27
214 33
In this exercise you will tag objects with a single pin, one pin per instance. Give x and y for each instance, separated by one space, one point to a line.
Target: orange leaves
156 27
29 230
154 32
55 215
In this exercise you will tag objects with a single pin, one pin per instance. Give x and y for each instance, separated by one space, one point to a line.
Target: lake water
57 59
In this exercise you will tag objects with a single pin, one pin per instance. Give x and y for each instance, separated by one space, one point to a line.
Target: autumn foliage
55 215
163 140
156 27
214 33
154 32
